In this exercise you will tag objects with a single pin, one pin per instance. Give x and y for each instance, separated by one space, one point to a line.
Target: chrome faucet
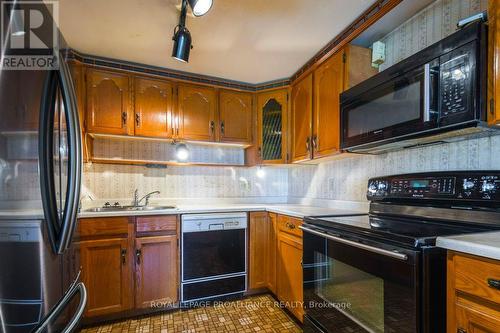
81 199
137 201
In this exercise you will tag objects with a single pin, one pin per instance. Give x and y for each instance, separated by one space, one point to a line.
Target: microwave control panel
460 186
455 82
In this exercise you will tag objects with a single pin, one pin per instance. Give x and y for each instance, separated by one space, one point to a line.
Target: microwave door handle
387 253
427 92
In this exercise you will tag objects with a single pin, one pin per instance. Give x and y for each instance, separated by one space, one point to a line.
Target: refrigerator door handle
74 289
75 156
60 226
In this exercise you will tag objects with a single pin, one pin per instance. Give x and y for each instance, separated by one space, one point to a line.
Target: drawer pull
124 256
461 330
290 226
138 253
494 283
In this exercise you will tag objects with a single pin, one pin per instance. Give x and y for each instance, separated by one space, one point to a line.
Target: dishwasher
213 256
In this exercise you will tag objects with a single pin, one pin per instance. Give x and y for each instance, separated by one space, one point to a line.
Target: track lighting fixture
182 36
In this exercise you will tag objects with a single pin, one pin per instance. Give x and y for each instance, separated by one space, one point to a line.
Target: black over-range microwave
436 95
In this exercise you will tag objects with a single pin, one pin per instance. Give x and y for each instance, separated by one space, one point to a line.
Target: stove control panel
460 185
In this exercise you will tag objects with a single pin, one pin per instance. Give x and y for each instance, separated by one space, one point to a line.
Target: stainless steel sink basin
128 208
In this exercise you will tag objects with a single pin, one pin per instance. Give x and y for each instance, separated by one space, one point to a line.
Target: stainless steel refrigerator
40 176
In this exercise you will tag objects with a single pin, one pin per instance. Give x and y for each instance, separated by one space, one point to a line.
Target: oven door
215 253
401 105
354 285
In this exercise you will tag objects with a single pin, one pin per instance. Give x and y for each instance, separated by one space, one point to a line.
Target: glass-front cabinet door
272 122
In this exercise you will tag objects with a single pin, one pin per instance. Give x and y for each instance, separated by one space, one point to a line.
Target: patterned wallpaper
119 181
433 23
346 179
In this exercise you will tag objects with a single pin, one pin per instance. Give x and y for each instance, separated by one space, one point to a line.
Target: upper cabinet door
108 103
272 126
328 84
196 113
235 111
302 119
153 105
494 61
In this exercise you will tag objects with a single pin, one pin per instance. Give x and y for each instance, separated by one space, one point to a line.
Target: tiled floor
253 314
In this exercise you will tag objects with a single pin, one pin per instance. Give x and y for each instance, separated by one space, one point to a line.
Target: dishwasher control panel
213 222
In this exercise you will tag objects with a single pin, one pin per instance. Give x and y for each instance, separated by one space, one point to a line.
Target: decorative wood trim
158 163
365 20
108 63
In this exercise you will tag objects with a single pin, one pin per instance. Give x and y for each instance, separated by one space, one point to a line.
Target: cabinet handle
315 142
461 330
290 226
212 127
222 129
308 144
493 283
137 120
124 256
138 253
124 118
259 151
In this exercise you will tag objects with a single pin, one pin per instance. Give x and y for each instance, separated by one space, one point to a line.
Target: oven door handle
392 254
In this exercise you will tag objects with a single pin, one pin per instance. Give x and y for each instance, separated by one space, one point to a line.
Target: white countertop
295 210
484 244
299 211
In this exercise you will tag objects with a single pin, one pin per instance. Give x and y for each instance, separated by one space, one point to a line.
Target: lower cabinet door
470 320
156 271
258 250
272 252
107 275
289 273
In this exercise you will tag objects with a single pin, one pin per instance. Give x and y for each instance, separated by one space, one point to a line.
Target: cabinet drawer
107 226
165 223
472 275
289 225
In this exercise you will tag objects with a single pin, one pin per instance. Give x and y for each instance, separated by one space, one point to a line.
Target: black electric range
382 272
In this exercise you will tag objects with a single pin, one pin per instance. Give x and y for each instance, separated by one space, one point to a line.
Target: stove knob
468 184
382 186
487 186
372 188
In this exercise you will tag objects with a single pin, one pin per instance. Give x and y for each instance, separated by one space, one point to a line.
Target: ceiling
252 41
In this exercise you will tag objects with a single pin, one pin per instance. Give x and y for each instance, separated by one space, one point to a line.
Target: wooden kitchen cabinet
289 265
109 108
156 278
473 300
301 126
272 122
328 84
316 102
196 114
153 108
235 116
258 250
106 272
272 245
494 61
